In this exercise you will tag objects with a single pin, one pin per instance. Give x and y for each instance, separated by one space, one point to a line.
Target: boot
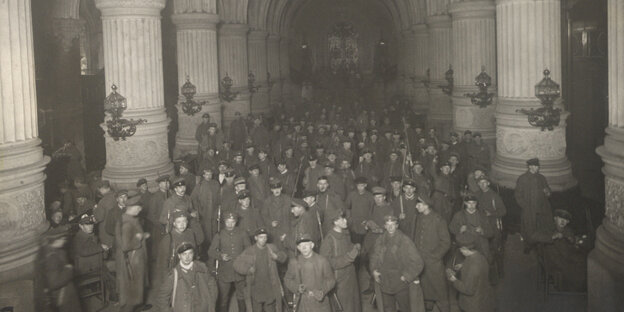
242 307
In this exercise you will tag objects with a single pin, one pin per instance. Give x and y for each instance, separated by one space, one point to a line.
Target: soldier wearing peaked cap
185 174
532 195
374 225
248 212
276 211
224 248
404 207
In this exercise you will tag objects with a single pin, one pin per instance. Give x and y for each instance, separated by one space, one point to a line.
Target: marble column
420 62
22 163
408 62
606 262
197 60
440 106
133 62
516 139
64 78
232 41
257 53
474 47
273 56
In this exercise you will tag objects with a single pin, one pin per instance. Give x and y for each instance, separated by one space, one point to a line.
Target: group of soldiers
286 217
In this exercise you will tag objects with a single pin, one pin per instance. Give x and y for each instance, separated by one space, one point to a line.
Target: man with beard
342 253
259 264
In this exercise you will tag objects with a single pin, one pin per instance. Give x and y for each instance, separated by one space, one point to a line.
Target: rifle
168 225
296 295
218 249
297 177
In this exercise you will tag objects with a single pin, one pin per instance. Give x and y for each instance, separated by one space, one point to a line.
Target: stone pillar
606 262
197 59
286 85
232 42
64 79
440 106
408 62
257 53
516 139
474 46
421 64
133 62
22 163
273 55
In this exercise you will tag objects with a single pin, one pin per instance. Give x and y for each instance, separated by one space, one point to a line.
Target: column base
467 116
143 155
605 271
187 125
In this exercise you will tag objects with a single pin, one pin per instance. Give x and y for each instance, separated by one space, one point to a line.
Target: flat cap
296 202
533 162
243 194
466 239
141 181
239 180
562 214
360 180
162 178
260 231
184 246
178 182
390 218
305 237
377 190
425 200
275 183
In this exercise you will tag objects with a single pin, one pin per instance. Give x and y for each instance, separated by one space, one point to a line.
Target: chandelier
547 117
190 106
225 89
119 128
482 98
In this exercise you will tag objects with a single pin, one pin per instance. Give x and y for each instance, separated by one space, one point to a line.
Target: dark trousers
263 306
224 292
401 298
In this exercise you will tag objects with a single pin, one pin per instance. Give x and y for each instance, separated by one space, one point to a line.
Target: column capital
234 29
473 9
195 21
258 35
130 7
439 21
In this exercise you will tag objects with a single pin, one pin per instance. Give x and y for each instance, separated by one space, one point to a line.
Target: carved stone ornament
528 143
614 208
21 213
136 152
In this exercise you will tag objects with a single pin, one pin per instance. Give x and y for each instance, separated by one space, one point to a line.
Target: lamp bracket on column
481 98
448 76
547 117
118 127
225 89
190 106
251 80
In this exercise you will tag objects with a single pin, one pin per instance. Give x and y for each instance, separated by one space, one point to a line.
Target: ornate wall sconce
448 76
251 80
482 98
118 127
189 106
547 117
225 89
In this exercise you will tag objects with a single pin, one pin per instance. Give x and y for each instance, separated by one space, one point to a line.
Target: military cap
260 231
207 169
121 192
275 183
262 150
409 182
395 179
394 151
430 143
396 132
477 134
305 237
468 198
360 180
243 194
184 246
345 140
562 214
454 154
331 152
250 145
373 130
483 178
312 157
86 219
466 239
337 214
366 151
287 147
236 153
377 190
162 178
178 182
424 199
230 215
239 180
184 164
296 202
387 130
391 218
141 182
454 134
445 164
179 213
445 142
309 193
254 167
281 161
212 125
329 164
82 192
206 115
467 132
533 162
102 183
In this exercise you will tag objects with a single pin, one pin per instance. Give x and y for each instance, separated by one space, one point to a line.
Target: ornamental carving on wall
614 208
528 143
139 152
21 213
